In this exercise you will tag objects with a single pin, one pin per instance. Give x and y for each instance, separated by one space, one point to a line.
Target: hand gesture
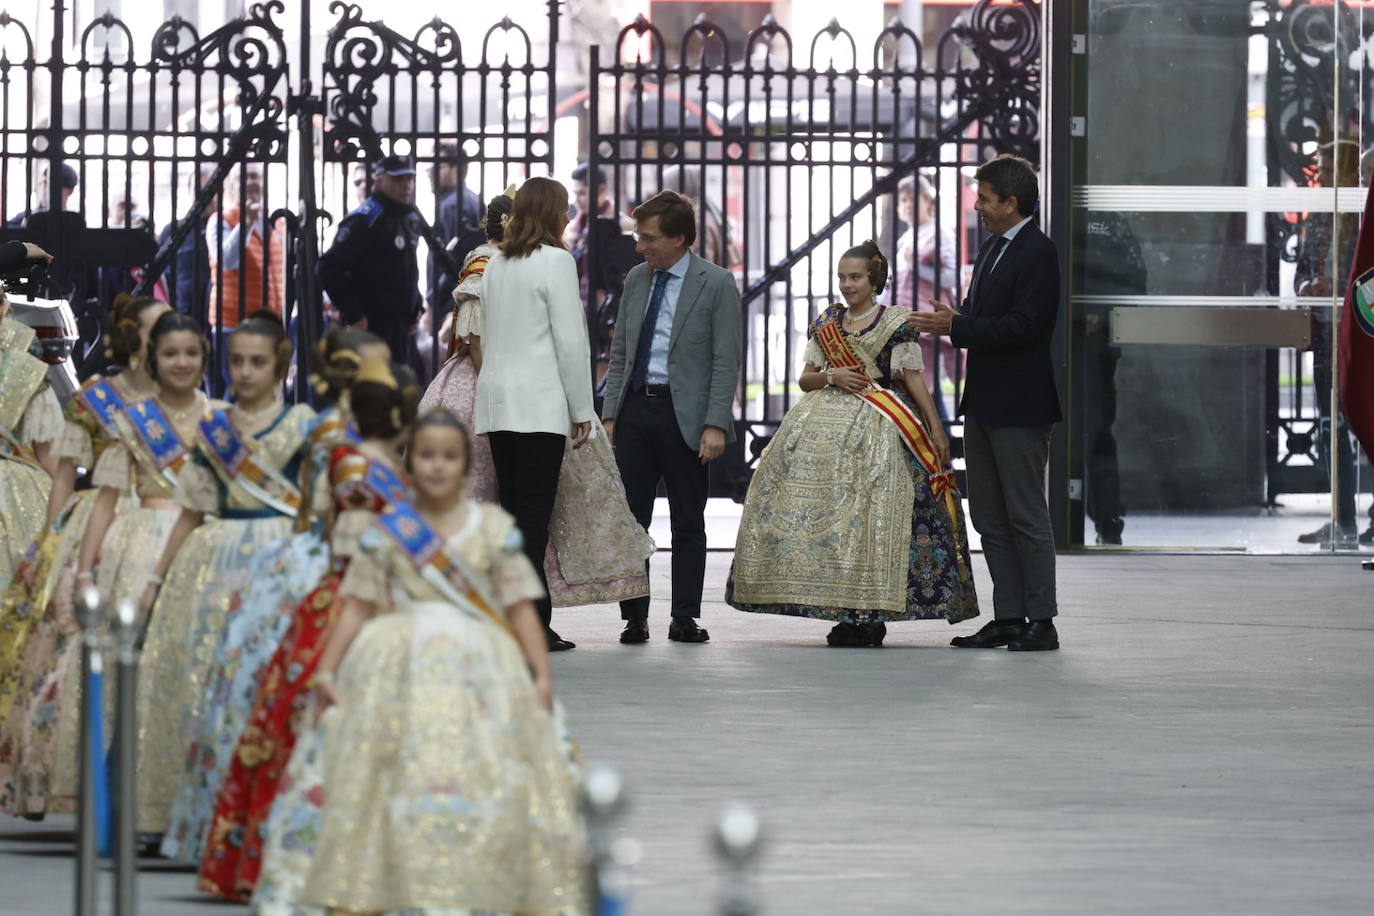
580 433
851 380
33 253
936 323
940 441
543 689
326 694
712 444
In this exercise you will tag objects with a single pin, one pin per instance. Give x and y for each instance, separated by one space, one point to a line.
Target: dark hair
443 418
676 217
381 410
583 170
124 342
170 323
877 264
537 218
267 323
500 206
1012 176
337 358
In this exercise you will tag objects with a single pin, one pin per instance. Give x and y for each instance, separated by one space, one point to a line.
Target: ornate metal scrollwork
252 52
1004 87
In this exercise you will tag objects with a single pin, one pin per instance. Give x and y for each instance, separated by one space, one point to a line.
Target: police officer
370 271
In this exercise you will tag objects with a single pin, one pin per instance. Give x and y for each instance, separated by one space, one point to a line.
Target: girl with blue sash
280 575
131 516
270 848
363 478
242 475
93 421
447 785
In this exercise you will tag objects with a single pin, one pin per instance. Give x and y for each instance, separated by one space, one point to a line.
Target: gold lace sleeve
75 443
514 579
43 420
813 354
113 468
365 580
349 528
907 356
197 488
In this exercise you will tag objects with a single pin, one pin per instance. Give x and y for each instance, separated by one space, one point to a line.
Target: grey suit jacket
704 351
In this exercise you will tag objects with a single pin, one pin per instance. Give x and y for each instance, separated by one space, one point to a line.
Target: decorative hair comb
375 370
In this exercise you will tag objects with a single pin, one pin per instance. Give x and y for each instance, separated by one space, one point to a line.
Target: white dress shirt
657 371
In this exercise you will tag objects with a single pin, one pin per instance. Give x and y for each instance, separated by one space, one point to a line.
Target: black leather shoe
558 643
994 635
1367 535
685 629
636 631
1038 636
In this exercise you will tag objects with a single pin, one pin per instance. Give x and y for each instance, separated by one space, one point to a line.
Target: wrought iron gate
796 149
170 141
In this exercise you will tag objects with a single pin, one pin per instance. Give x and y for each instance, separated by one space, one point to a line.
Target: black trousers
527 466
649 448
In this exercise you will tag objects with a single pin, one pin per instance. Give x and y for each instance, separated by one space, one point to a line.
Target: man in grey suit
1009 404
670 389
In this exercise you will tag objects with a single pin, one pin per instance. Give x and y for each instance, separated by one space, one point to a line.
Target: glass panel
1218 185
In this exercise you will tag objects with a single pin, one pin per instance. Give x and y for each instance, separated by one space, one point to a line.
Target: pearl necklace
850 316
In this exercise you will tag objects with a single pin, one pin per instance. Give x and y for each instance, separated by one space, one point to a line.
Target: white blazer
536 361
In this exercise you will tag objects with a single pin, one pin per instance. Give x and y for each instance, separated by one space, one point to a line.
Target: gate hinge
1078 127
1080 44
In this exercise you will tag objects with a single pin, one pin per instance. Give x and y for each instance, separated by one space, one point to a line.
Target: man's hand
609 427
33 253
936 323
580 432
712 444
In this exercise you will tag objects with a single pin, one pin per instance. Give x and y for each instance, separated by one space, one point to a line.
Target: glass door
1219 162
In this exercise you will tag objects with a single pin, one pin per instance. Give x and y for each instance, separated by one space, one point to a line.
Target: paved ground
1203 745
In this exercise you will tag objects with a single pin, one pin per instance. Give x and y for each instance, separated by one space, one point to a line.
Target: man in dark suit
670 391
1010 404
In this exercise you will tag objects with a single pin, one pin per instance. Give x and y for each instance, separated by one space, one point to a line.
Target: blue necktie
646 331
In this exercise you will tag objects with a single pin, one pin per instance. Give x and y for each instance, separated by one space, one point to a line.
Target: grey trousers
1006 492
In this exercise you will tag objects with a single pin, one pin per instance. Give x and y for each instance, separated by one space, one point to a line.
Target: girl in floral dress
280 576
446 783
362 479
94 417
366 479
242 474
130 521
853 515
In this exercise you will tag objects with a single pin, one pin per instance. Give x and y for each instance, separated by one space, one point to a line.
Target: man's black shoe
636 631
1038 636
994 635
1367 535
558 643
685 629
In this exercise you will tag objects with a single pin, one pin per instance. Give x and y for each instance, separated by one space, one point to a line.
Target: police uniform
371 271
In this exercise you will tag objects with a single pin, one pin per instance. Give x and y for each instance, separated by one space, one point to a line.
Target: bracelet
85 576
830 378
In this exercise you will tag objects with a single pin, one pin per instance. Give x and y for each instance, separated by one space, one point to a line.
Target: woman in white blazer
535 388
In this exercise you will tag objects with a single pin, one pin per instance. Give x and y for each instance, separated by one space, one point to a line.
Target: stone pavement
1203 745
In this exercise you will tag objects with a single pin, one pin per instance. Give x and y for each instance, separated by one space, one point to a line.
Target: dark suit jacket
1007 325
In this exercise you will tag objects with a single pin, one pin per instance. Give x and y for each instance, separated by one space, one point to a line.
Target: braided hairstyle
337 359
383 409
877 264
443 418
267 323
169 323
124 342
